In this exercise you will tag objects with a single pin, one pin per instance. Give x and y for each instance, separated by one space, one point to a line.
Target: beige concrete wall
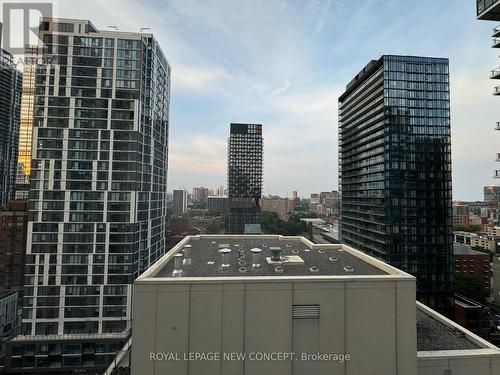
372 319
487 363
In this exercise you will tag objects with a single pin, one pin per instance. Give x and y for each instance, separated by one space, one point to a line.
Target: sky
284 64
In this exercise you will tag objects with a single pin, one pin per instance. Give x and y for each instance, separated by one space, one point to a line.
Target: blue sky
284 64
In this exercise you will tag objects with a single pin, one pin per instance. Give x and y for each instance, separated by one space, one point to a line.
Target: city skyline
219 69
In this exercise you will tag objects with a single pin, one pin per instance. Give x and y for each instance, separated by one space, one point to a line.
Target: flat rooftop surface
463 249
433 335
323 259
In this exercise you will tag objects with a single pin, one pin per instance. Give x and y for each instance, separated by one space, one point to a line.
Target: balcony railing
496 32
498 126
497 174
484 5
495 73
495 43
496 91
498 157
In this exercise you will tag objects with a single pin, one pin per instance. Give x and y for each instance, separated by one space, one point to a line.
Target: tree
471 287
212 228
466 228
269 221
481 249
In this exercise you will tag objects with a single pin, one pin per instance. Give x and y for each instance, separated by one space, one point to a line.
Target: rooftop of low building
279 256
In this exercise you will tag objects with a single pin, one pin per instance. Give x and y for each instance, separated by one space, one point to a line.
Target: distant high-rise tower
26 124
179 202
244 176
10 108
97 202
395 170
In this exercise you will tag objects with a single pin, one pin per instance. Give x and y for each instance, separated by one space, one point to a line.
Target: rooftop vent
178 258
242 270
275 253
305 312
223 245
242 263
314 269
295 251
256 257
225 258
187 255
332 259
289 260
321 251
278 269
348 269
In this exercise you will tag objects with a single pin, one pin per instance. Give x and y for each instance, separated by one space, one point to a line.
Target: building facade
472 262
244 176
487 242
283 206
10 320
13 230
200 195
217 204
395 170
492 194
97 203
179 202
10 109
496 279
489 10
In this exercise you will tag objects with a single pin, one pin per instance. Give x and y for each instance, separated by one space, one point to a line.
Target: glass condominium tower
244 176
26 124
97 201
395 170
10 106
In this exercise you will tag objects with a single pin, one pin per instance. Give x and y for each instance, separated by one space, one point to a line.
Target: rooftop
433 335
463 249
297 257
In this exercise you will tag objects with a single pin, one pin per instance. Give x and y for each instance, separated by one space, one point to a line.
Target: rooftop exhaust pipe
187 255
275 254
256 257
225 258
178 258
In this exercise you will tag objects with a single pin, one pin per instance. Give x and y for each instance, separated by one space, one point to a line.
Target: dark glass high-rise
395 170
244 176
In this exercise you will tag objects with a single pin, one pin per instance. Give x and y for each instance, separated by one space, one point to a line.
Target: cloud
199 154
197 79
284 64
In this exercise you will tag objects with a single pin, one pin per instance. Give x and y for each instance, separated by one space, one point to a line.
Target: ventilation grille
305 312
